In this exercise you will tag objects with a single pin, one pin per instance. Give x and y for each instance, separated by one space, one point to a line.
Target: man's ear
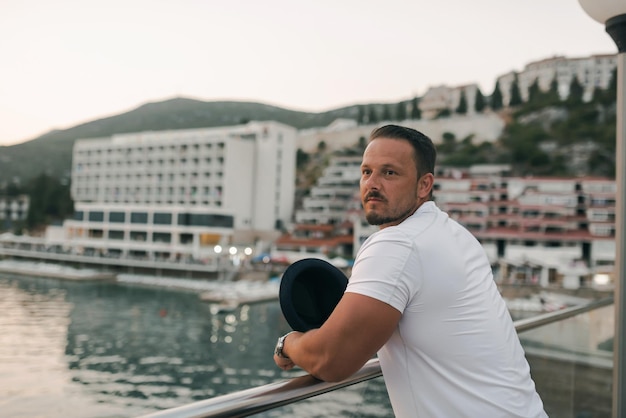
425 185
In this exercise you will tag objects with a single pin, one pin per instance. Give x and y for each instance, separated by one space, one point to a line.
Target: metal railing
263 398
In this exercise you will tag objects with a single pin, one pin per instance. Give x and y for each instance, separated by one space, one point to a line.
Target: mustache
374 195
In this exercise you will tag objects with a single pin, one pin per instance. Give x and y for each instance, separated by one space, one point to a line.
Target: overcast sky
64 62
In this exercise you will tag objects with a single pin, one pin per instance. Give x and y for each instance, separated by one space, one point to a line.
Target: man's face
389 183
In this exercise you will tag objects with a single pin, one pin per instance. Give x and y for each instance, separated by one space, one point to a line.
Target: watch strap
280 344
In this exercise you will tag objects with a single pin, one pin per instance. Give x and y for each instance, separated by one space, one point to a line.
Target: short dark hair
424 152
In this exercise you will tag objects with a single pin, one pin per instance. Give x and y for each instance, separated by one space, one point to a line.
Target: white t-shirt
455 352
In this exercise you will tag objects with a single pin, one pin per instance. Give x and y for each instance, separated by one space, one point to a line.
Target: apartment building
562 228
483 127
443 97
324 223
334 194
557 231
181 193
593 72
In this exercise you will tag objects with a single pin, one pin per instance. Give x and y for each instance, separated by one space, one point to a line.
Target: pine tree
496 97
576 91
609 95
553 93
416 113
362 142
534 93
401 111
372 117
613 83
516 96
479 101
361 115
462 107
386 113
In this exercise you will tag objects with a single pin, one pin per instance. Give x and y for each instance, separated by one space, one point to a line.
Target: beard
391 216
383 219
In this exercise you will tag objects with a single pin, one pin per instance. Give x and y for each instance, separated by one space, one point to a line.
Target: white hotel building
177 194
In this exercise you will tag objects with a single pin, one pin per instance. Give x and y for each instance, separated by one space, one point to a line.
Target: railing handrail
273 395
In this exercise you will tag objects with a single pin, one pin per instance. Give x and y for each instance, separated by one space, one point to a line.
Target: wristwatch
279 346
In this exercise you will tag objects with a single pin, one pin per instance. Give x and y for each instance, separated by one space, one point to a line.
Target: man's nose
372 181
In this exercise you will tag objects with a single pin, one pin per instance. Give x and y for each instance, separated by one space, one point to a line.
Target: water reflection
33 326
130 349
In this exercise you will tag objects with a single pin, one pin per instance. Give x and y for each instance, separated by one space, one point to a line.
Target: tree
553 93
496 97
49 201
479 101
448 143
443 113
576 91
362 142
612 87
361 114
302 158
608 96
401 111
416 113
534 93
12 189
516 96
386 112
372 117
462 107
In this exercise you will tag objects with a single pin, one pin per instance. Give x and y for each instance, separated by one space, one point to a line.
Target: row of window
172 162
160 148
157 218
172 177
156 237
215 192
141 200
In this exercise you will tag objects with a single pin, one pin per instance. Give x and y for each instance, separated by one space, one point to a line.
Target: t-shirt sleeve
381 270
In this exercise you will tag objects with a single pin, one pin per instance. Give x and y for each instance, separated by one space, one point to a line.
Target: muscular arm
355 331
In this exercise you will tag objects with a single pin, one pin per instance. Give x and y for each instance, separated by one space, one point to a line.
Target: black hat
309 291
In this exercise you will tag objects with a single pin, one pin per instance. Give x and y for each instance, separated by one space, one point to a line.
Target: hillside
51 153
544 136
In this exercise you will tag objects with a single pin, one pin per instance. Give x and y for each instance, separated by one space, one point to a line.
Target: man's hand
352 335
283 363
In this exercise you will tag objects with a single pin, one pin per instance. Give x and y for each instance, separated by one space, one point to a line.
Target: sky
66 62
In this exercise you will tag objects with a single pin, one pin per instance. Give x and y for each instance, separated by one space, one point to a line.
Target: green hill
51 153
540 138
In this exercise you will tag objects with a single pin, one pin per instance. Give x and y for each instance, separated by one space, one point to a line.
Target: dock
54 271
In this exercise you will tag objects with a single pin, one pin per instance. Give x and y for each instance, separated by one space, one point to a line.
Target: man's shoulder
425 216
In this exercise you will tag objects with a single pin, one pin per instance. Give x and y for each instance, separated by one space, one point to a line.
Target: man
422 296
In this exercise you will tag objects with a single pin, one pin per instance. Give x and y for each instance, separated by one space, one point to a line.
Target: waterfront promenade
36 249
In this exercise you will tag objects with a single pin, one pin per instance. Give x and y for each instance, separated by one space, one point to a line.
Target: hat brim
309 291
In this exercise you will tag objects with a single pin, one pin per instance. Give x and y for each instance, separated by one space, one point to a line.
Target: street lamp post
612 13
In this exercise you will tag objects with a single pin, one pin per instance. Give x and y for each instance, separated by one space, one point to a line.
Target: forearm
352 335
320 357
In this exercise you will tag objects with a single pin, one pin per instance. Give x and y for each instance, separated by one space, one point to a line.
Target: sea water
104 349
